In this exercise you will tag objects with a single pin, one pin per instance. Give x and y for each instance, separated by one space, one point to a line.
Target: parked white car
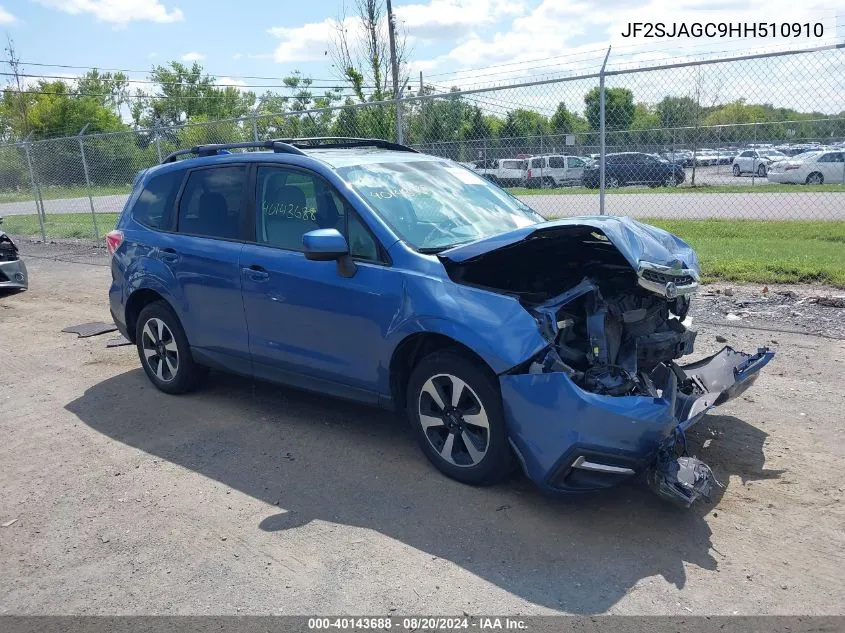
505 172
756 161
810 168
555 171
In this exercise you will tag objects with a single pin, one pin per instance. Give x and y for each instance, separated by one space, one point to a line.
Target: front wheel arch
411 350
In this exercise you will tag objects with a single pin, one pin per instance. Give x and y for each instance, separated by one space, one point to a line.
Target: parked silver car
13 275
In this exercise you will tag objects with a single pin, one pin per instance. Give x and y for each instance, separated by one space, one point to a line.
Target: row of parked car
623 168
786 164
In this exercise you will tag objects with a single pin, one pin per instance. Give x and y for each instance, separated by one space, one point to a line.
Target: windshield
773 152
433 205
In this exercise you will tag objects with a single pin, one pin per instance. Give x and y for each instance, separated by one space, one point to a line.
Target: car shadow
322 459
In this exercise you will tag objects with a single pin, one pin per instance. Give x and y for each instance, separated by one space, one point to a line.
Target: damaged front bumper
571 440
13 275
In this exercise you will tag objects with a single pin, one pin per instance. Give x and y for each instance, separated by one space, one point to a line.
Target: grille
664 278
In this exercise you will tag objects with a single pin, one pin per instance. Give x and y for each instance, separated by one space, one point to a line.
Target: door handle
169 255
257 273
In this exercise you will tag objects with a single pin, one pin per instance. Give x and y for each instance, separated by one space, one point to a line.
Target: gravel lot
250 498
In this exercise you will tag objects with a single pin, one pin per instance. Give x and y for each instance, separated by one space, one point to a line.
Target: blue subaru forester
365 270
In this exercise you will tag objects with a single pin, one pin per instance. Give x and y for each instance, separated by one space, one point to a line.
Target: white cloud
444 19
237 56
193 56
6 18
230 81
119 12
304 43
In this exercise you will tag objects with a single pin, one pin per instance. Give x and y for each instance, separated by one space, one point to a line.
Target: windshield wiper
433 250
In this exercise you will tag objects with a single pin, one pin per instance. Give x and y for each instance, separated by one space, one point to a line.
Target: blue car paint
550 419
636 241
309 320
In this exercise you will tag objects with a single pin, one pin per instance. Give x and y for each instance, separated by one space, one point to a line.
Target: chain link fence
753 137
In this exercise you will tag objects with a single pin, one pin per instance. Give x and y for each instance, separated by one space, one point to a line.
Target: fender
147 273
494 326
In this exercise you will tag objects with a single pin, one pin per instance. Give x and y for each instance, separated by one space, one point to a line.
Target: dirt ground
251 498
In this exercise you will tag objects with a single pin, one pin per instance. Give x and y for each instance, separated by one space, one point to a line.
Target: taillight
529 173
113 241
789 166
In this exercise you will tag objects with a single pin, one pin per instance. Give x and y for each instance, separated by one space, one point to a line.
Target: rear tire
761 171
737 171
455 411
612 182
164 350
814 179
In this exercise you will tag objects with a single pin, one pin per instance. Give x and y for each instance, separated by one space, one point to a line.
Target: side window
154 206
537 163
287 207
291 203
361 242
825 158
575 162
211 202
834 157
747 154
557 162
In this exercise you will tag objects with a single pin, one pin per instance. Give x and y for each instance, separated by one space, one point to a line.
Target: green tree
619 108
564 121
182 94
677 112
524 123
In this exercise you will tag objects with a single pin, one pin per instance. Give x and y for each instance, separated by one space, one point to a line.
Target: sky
465 43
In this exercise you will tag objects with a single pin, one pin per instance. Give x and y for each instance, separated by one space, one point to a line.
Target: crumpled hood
637 242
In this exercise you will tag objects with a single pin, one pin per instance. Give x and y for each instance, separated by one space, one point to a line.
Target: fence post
88 181
39 212
601 133
157 137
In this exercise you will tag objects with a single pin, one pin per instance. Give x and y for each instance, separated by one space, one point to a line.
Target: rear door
204 258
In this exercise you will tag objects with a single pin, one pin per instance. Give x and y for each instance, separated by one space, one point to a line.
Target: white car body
810 168
756 161
555 170
505 172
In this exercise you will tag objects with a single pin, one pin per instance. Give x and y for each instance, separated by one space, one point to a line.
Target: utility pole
601 133
394 67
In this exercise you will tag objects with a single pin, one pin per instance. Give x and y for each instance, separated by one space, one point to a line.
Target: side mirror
325 245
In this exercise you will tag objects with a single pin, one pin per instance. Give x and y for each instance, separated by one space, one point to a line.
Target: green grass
765 251
683 189
789 251
60 226
56 193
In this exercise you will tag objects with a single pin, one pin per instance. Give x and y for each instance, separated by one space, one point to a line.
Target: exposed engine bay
615 331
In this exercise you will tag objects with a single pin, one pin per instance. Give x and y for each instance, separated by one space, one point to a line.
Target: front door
306 320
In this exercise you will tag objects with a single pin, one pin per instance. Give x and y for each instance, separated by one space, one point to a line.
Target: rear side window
211 202
537 163
512 164
154 207
557 162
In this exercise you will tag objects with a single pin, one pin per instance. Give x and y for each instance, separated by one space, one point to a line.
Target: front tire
164 350
736 170
761 171
455 411
815 179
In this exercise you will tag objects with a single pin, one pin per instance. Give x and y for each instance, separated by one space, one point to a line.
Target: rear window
154 207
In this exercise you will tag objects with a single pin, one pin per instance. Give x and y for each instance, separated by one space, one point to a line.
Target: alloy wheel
453 420
161 353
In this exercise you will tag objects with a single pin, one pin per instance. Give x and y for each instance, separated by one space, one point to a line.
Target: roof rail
340 142
213 149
